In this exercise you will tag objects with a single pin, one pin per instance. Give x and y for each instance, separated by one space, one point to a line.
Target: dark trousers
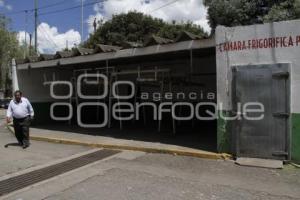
21 127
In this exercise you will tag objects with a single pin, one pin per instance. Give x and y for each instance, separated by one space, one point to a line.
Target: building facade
253 70
262 63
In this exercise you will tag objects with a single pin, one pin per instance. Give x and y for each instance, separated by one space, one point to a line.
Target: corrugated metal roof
127 44
155 40
68 57
64 54
82 51
46 57
22 61
102 48
33 59
185 35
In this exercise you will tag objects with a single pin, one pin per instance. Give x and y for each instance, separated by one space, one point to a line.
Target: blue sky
63 20
56 29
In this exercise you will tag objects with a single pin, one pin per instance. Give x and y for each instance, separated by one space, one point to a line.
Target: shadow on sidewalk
202 136
15 144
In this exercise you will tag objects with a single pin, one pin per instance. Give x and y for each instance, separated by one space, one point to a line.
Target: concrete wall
258 44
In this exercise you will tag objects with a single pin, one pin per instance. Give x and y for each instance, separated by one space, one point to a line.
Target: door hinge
280 153
281 75
281 114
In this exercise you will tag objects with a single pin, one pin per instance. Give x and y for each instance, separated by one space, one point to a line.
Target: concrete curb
207 155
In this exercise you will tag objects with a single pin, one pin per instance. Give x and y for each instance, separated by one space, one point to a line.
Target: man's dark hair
18 91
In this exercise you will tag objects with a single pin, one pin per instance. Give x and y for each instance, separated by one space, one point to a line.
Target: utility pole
95 25
35 24
81 20
30 42
26 24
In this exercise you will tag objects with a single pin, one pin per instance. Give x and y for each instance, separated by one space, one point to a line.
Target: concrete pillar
15 83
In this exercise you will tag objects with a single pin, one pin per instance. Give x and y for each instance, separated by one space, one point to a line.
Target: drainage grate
24 180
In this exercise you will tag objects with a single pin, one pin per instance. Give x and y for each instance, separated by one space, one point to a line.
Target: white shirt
20 110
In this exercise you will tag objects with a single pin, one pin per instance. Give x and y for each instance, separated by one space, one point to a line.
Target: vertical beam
36 24
30 42
191 63
25 32
82 20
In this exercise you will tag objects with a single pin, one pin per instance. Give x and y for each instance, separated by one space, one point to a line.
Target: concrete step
258 162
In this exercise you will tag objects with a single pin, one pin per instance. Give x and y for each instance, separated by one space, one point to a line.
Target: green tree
135 27
246 12
284 11
9 48
171 31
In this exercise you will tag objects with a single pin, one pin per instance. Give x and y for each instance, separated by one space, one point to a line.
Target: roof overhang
124 53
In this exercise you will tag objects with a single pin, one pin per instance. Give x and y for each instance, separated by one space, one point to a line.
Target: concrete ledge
193 153
258 162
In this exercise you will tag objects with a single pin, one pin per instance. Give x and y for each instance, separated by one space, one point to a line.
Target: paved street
166 177
133 175
137 175
14 158
149 100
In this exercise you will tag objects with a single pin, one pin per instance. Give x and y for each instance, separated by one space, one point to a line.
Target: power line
71 8
165 5
16 12
52 5
156 9
79 6
82 5
45 33
39 8
74 7
47 36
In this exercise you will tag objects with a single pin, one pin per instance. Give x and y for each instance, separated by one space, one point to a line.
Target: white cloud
6 6
50 40
203 23
182 10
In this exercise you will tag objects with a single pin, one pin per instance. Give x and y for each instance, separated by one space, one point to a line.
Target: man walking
21 111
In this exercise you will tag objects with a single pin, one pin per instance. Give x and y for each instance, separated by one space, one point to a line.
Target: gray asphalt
156 176
14 158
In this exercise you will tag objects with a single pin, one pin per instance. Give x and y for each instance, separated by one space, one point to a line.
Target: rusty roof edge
123 53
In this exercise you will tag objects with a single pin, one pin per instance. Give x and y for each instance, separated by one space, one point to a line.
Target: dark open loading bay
152 83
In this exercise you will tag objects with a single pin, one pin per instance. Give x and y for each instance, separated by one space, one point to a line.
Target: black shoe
25 146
